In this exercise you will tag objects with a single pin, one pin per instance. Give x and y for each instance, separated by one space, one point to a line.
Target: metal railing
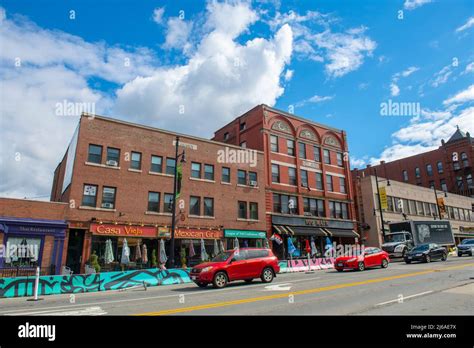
25 271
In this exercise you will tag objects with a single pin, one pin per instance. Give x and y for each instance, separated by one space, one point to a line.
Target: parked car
466 247
240 264
426 253
370 257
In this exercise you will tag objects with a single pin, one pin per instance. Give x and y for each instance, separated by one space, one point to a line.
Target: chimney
369 165
442 141
382 162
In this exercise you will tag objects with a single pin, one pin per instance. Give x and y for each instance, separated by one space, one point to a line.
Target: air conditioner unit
107 205
252 183
111 163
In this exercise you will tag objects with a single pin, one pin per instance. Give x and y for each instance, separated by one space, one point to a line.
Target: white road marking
236 288
404 298
278 287
86 311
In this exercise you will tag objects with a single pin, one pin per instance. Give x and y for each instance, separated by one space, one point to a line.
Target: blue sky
334 62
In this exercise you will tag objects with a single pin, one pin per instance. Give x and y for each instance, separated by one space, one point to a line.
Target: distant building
307 176
407 202
448 168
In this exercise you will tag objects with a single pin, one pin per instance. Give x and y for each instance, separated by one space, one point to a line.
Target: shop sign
123 230
310 164
316 222
164 232
244 234
466 229
193 233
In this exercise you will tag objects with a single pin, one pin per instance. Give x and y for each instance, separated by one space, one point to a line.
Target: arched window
440 167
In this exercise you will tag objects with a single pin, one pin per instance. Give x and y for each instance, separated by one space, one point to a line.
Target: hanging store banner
383 198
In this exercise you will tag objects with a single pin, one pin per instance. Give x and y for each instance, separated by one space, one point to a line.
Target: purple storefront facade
29 243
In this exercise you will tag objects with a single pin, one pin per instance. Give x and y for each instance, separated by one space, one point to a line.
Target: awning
309 231
284 229
337 232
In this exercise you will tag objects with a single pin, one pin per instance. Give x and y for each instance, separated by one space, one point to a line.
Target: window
275 173
89 198
225 174
342 184
429 170
95 154
338 210
276 203
136 162
241 177
456 213
329 185
292 204
253 211
113 156
170 165
390 204
339 159
285 204
314 207
431 184
419 208
108 197
153 201
319 181
434 209
327 156
405 206
243 126
291 147
208 206
439 165
304 178
208 172
456 165
156 164
417 172
168 203
465 161
461 214
274 143
302 150
252 178
316 153
196 170
426 207
226 135
243 144
405 175
194 206
242 210
292 176
459 182
412 206
469 181
443 185
345 213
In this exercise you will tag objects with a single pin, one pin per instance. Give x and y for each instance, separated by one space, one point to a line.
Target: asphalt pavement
436 288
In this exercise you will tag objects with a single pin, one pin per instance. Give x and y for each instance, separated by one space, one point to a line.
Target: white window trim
100 165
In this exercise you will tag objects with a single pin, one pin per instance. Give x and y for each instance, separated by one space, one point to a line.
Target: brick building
117 178
35 224
448 168
307 177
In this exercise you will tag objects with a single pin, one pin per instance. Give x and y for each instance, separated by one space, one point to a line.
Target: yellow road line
300 292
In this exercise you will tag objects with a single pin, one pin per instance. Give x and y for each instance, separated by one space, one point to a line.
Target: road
437 288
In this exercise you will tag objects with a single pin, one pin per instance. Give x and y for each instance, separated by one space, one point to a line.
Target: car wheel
445 257
470 254
248 280
339 269
202 285
427 258
459 254
384 263
267 275
361 266
407 262
220 280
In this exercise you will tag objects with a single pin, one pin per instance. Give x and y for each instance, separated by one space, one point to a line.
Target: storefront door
74 250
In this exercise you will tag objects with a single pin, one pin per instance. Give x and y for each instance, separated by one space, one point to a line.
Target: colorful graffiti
301 265
50 285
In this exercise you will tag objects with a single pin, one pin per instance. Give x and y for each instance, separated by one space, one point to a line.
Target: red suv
240 264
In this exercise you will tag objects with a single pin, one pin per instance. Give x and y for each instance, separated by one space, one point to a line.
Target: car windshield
397 237
422 247
468 241
222 256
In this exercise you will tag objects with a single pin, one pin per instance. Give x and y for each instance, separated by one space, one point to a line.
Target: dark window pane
196 170
136 161
209 206
95 154
208 172
316 152
241 177
108 197
153 201
225 174
156 164
170 164
194 206
113 156
89 197
168 203
242 210
253 211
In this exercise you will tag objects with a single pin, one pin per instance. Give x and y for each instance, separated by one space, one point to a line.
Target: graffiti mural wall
50 285
301 265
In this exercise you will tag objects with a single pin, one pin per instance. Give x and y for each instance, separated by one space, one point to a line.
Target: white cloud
467 25
177 34
462 97
158 15
320 99
412 4
469 68
288 74
441 76
394 90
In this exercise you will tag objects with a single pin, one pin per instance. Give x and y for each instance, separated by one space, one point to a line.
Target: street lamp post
173 202
380 203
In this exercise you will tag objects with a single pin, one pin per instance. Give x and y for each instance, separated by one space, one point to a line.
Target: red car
372 257
240 264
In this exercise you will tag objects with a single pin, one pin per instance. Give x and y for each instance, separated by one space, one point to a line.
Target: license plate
409 257
340 264
193 278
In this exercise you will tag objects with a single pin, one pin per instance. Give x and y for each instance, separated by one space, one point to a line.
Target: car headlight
352 260
206 269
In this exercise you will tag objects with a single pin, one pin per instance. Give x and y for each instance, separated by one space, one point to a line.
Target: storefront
188 244
305 230
108 241
29 243
245 238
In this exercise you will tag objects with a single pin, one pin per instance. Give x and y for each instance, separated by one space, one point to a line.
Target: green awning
245 234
